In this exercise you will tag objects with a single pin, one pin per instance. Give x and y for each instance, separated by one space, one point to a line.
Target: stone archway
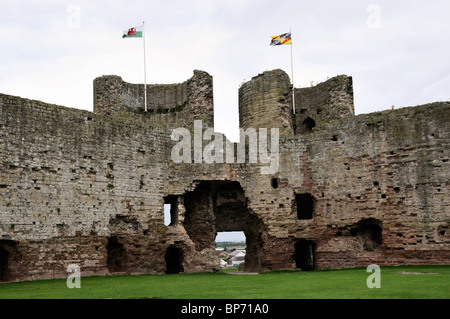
217 206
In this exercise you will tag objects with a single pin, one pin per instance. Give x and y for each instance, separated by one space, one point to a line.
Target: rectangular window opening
170 210
305 204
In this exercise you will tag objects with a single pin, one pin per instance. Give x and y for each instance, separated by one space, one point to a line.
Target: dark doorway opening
4 259
305 254
174 260
8 253
305 206
116 255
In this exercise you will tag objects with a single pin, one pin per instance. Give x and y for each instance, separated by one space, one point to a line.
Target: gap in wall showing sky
237 236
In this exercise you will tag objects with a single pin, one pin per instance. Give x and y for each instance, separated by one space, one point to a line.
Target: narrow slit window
167 218
170 210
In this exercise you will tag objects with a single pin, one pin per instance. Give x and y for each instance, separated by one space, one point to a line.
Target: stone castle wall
72 181
160 97
67 175
89 188
112 95
380 187
265 102
325 102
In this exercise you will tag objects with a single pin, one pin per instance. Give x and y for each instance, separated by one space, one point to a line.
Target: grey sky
396 51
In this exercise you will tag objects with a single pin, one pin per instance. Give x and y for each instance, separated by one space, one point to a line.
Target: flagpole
145 70
292 75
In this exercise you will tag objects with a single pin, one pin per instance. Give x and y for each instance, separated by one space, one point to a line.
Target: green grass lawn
325 284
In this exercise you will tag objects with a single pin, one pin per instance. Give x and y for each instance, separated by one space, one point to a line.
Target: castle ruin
89 188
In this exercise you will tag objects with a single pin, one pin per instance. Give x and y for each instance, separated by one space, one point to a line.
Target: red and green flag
135 32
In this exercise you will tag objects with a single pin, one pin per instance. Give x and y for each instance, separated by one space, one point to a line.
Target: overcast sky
396 51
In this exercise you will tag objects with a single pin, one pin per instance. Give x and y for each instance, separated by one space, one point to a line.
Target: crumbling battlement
325 102
266 101
90 187
194 97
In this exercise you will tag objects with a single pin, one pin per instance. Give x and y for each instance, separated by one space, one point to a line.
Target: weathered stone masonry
89 187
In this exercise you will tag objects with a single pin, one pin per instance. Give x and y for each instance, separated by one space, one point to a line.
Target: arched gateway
217 206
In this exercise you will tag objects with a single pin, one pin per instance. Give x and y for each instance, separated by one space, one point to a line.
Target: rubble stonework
89 188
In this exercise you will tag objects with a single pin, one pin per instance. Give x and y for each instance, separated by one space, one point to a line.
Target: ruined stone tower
89 187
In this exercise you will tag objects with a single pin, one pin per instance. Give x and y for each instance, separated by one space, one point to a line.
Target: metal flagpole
145 70
292 75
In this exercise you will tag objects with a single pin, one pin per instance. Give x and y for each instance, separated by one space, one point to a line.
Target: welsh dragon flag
135 32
